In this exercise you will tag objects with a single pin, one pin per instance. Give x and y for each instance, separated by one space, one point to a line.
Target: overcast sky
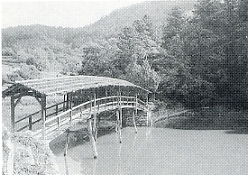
63 13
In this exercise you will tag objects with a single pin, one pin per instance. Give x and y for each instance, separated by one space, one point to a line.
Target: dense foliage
198 60
210 51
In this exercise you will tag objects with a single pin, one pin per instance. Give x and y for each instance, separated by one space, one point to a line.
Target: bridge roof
62 85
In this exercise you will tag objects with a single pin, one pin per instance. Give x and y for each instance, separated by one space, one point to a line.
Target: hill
118 19
39 48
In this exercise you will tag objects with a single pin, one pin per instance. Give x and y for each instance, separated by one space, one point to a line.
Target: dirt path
161 151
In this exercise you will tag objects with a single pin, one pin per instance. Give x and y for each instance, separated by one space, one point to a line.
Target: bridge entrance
81 98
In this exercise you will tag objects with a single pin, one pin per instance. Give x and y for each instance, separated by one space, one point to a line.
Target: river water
160 151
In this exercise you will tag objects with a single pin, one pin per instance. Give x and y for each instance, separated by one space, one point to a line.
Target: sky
58 13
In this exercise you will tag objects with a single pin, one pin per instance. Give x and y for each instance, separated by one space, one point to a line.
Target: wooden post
67 101
12 114
118 125
70 105
134 123
120 108
58 122
67 142
136 113
147 113
64 103
92 139
58 119
43 115
57 109
136 106
95 118
30 123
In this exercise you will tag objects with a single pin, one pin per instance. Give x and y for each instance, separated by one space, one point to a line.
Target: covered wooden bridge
82 98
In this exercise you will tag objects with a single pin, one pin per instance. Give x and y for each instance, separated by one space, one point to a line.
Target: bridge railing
29 121
58 114
93 106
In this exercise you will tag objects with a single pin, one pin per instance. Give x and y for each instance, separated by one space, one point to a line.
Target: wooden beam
67 142
30 122
58 119
136 105
18 100
120 109
118 125
95 118
70 106
64 102
12 114
134 123
43 115
13 105
67 101
38 99
147 113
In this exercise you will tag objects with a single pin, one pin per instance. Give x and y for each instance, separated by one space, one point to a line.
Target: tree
137 46
227 22
95 60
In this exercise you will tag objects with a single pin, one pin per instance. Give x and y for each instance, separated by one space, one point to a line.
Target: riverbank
25 155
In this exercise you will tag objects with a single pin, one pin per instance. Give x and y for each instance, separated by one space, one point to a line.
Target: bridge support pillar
91 137
43 115
147 112
134 123
95 118
13 104
67 142
118 125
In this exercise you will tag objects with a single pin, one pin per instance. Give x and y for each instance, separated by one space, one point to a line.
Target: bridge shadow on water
77 137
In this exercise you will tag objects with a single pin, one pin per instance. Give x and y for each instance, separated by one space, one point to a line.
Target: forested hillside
198 60
158 11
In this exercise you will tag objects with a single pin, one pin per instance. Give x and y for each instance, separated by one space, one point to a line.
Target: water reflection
158 151
119 160
148 132
66 166
94 166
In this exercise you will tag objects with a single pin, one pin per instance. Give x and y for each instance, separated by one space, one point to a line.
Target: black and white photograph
124 87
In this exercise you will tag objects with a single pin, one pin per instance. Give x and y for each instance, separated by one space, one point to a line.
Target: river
160 151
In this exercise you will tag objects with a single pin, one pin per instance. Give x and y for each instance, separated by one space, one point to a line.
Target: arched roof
62 85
